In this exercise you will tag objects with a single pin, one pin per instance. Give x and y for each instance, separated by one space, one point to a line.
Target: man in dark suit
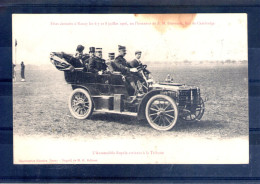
79 54
120 62
139 76
95 63
122 66
101 63
137 63
110 62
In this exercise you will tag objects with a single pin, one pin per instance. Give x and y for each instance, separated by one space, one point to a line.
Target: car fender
142 104
91 90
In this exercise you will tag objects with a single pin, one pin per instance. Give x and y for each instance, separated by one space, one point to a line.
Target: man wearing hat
101 65
111 56
122 66
79 53
110 62
78 60
95 63
137 63
90 59
120 62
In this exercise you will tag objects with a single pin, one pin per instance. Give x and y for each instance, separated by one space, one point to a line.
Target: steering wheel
142 67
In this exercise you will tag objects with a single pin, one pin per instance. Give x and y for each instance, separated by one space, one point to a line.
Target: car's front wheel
196 114
80 104
161 112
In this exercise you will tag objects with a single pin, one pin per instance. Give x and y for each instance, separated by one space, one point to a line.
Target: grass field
40 106
46 133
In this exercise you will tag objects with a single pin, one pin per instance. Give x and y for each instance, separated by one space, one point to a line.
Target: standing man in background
23 72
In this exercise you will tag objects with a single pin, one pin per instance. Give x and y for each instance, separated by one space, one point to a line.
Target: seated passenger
122 66
95 63
101 64
89 60
79 54
110 62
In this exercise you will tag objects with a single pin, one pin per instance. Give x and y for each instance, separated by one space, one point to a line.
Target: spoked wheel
196 115
161 112
80 104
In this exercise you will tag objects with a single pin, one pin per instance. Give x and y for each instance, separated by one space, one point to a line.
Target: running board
116 112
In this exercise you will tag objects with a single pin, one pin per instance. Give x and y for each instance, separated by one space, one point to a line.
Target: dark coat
96 64
135 64
22 71
121 65
78 61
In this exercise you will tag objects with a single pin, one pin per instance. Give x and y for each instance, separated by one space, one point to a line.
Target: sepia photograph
130 89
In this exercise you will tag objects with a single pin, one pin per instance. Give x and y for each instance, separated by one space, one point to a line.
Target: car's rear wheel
196 115
80 104
161 112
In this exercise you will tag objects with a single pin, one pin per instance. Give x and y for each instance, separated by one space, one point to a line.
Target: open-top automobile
162 104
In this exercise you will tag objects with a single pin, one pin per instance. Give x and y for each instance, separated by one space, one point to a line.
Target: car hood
172 86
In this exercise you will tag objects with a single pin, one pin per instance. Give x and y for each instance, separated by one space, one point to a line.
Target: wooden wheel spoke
167 120
80 111
169 104
161 105
169 116
160 121
156 106
153 114
153 109
155 118
80 104
170 110
162 118
161 112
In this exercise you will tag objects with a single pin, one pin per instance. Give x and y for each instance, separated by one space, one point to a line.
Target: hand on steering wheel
133 70
141 67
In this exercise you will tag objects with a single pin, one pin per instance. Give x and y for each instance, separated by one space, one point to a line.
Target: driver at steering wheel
142 76
136 63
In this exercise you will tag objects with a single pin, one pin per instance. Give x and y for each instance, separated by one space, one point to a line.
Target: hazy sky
208 37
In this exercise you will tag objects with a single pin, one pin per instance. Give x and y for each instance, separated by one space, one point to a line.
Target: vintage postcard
130 89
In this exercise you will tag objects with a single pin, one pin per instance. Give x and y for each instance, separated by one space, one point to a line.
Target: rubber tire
91 106
150 121
198 118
